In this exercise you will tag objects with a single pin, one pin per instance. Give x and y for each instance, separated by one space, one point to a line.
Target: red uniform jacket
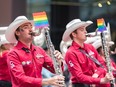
80 66
4 73
25 65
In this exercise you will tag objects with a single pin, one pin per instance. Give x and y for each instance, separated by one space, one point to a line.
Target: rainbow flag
40 20
101 25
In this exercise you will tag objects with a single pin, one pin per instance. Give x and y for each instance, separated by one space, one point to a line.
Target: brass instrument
92 34
97 33
64 46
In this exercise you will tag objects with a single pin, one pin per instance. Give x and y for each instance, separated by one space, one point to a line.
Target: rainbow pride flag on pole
40 20
101 25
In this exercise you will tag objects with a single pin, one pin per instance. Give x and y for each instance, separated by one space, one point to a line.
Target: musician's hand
113 52
56 81
95 75
107 78
59 56
93 85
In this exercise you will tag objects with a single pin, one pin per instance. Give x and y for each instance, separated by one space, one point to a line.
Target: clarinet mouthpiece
89 35
34 33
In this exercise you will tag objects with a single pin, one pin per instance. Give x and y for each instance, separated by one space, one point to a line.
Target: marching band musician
80 65
98 45
25 61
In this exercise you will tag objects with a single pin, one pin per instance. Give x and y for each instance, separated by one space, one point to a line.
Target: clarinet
57 65
107 56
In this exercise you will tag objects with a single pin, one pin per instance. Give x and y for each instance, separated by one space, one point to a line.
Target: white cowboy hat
72 26
3 40
98 43
10 32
